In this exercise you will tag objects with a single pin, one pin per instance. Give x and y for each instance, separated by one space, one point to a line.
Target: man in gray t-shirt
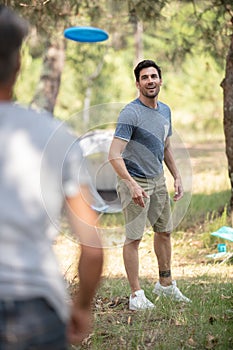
141 143
41 172
145 130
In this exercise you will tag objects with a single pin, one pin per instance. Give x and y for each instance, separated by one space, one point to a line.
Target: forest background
188 39
86 85
191 40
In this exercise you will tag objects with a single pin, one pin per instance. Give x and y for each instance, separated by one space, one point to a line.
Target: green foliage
145 10
172 35
47 15
204 207
190 27
28 77
188 86
171 31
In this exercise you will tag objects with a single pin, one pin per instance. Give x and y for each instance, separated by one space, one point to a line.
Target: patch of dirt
185 264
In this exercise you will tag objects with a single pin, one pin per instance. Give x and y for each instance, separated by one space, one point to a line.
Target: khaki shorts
157 207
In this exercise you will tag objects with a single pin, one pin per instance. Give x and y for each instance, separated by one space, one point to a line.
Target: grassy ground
206 323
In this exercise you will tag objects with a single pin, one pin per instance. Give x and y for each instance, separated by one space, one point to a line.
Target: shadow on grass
206 323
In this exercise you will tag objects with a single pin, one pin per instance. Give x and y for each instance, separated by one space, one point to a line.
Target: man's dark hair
13 30
145 64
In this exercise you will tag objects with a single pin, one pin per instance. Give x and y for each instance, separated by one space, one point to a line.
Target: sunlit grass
206 323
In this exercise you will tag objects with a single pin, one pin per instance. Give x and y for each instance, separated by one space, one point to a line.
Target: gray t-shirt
145 129
40 164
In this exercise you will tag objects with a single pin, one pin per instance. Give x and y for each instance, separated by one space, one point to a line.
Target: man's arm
171 165
115 158
83 220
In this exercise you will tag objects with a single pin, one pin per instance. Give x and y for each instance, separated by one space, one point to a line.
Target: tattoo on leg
165 273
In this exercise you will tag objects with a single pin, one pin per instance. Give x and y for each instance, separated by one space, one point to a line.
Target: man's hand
80 325
83 220
138 194
178 189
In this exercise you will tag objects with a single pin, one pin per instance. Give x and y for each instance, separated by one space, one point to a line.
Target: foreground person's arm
83 220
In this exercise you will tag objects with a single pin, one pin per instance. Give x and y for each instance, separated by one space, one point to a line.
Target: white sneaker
170 291
140 302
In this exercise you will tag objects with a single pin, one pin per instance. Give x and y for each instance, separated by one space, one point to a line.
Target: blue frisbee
86 34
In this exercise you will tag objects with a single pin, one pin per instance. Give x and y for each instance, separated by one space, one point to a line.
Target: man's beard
151 96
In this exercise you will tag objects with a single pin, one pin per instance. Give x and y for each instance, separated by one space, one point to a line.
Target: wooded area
191 40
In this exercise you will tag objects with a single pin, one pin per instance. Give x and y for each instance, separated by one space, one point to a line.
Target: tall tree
227 85
218 34
49 17
49 83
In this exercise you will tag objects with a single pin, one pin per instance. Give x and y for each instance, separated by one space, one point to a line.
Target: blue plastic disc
86 34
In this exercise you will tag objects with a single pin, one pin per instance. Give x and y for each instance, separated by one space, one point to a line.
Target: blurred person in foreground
41 172
140 145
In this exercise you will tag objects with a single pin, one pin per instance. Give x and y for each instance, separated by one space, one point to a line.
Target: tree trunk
138 41
88 92
49 84
227 85
87 104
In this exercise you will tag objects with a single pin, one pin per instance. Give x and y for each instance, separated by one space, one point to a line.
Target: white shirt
40 164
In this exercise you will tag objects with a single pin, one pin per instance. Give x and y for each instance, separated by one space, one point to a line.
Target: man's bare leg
162 248
131 261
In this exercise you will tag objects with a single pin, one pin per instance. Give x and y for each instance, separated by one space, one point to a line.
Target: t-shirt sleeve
166 114
125 124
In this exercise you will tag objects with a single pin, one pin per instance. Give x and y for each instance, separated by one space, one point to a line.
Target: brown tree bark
138 41
227 85
88 92
49 83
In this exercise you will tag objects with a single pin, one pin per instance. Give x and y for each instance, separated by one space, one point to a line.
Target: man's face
149 82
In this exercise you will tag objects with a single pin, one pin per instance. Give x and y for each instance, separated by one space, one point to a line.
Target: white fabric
40 163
